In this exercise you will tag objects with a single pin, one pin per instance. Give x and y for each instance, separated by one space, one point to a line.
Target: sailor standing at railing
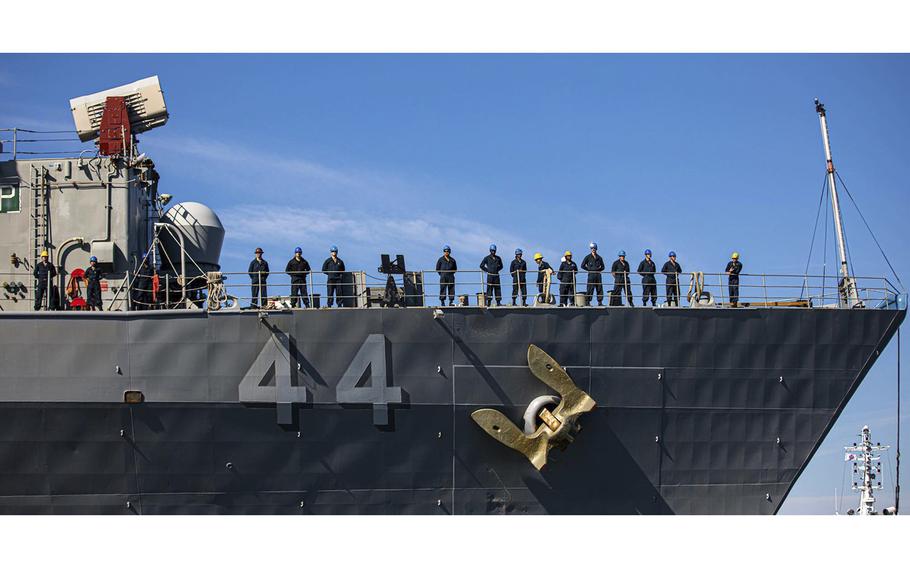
734 267
446 267
93 276
567 273
299 270
333 267
492 265
519 271
544 271
671 270
621 270
45 274
594 264
647 268
142 285
259 273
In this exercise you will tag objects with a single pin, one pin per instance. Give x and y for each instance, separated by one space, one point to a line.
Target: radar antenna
847 286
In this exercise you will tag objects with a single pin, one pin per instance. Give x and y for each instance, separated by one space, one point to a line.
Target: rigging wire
825 249
818 212
40 131
851 269
20 140
897 474
868 228
58 153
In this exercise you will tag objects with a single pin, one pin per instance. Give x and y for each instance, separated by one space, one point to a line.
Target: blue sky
702 154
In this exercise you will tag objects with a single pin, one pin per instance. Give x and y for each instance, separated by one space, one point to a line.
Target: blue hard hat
447 248
621 253
647 251
93 259
493 248
298 249
518 251
593 245
333 249
672 253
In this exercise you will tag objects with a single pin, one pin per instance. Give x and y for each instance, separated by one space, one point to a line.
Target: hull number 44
273 379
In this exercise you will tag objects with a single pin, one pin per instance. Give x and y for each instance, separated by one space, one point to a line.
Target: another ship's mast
867 464
847 286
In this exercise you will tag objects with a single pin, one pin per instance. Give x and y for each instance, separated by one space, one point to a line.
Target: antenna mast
847 286
868 466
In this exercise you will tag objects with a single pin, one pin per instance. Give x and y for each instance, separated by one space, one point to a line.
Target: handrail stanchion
765 289
423 288
309 289
486 300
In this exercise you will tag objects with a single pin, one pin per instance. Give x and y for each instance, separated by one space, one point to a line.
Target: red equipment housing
114 135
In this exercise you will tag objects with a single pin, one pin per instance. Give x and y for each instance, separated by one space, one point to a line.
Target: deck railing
471 288
281 290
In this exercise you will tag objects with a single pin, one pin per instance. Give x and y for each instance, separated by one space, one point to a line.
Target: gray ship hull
365 411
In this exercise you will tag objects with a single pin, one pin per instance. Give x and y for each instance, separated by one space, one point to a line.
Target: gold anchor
557 427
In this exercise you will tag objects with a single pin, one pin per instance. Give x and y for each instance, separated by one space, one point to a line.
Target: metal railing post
129 295
309 289
764 287
486 300
423 288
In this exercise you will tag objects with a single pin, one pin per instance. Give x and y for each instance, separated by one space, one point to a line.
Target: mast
847 286
867 464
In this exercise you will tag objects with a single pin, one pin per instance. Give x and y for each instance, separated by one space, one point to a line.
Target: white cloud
28 122
240 169
297 201
362 234
220 152
289 201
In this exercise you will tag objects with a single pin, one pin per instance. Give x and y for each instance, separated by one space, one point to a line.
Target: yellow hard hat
568 253
735 255
537 256
44 253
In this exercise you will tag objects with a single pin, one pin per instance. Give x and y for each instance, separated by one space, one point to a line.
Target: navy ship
176 398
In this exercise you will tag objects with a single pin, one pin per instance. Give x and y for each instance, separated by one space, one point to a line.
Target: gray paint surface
704 383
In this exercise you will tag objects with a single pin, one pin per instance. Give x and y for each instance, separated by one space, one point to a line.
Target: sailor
93 276
492 265
734 267
519 271
567 272
544 271
299 270
671 270
621 270
333 267
259 273
594 264
142 284
45 273
647 268
446 267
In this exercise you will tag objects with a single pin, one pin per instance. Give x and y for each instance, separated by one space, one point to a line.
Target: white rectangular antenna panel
144 104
